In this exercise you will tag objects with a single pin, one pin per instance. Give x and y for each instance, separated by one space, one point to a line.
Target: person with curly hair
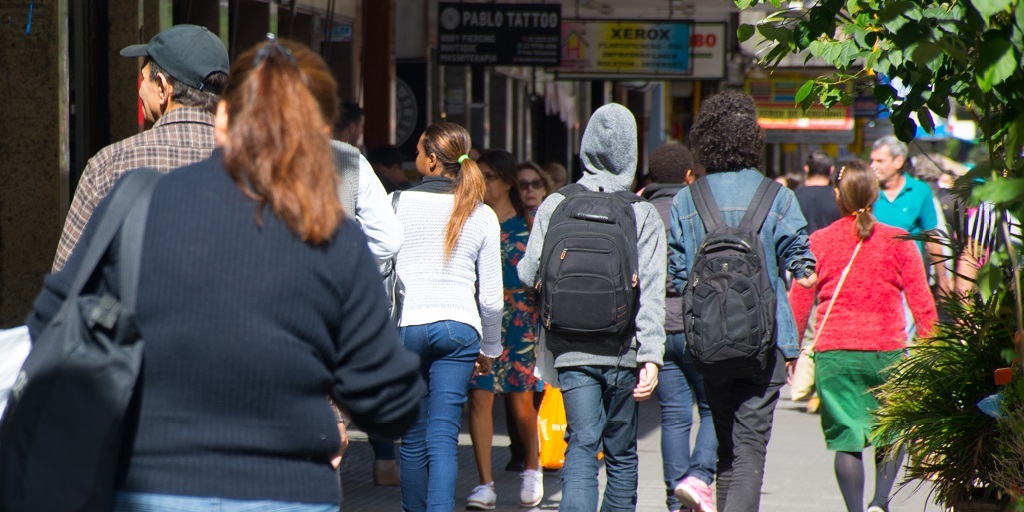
729 143
680 385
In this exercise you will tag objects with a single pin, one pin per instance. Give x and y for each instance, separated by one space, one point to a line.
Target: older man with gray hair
906 202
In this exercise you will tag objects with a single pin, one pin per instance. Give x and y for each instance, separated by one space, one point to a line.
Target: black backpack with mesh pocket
729 302
589 275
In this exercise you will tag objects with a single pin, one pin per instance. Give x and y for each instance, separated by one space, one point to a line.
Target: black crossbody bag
62 434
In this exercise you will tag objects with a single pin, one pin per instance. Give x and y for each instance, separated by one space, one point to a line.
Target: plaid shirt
181 137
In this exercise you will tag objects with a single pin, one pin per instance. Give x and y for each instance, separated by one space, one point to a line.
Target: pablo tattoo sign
499 34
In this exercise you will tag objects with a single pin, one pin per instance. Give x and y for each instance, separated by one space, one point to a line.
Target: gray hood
608 149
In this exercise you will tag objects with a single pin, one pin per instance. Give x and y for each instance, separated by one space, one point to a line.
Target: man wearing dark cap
183 73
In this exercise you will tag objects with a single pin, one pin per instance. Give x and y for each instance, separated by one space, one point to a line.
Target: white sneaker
482 498
532 491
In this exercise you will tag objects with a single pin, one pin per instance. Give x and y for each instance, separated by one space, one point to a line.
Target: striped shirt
466 288
180 137
984 232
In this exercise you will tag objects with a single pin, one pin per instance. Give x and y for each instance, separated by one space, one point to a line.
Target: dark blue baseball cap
189 53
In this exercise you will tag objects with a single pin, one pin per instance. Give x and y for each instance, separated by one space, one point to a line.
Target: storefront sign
629 48
499 34
777 108
707 50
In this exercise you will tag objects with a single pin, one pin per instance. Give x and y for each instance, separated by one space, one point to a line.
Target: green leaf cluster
942 51
931 400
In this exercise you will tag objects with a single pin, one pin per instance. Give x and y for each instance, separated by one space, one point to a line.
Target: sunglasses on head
536 184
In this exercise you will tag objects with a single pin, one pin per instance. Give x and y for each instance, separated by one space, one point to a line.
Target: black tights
850 474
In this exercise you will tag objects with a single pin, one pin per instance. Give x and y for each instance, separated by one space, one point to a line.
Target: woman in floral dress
512 374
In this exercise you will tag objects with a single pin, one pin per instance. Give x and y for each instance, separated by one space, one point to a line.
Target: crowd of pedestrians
268 329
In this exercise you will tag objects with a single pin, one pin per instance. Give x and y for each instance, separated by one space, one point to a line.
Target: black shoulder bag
61 436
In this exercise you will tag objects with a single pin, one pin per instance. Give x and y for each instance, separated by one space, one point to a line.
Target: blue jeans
679 386
448 352
149 502
600 412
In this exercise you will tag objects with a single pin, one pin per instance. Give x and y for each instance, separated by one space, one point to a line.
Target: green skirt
846 380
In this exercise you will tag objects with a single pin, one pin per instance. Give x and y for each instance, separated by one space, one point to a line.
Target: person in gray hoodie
601 390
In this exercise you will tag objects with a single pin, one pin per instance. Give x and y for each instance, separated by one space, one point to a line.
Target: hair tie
858 212
463 158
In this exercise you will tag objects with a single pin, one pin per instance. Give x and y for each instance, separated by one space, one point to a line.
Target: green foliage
969 51
1009 445
930 400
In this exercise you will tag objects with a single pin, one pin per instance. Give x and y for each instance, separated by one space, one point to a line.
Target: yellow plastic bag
551 426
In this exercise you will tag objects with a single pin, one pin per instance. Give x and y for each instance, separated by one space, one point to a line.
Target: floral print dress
513 370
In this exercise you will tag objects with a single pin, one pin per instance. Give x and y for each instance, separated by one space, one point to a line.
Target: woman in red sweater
860 323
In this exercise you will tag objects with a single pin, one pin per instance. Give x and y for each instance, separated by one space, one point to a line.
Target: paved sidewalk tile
798 474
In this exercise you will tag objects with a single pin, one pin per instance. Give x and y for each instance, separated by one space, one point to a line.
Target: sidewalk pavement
798 473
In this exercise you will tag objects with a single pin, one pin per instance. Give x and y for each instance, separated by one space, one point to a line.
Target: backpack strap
394 200
346 165
760 204
704 202
132 234
572 189
132 186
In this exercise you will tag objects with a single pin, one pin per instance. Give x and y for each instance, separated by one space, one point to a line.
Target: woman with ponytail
258 301
865 268
450 262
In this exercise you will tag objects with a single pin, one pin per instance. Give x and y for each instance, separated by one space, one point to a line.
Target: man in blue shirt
906 202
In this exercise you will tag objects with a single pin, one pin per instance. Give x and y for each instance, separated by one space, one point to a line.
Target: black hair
819 163
504 165
351 113
669 163
386 155
206 99
726 136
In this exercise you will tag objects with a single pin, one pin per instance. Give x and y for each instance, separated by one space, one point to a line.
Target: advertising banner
499 34
777 108
630 48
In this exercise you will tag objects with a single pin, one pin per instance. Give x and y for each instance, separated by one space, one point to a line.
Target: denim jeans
679 386
149 502
448 352
600 412
743 410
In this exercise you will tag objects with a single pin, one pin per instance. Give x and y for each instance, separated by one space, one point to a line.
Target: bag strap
394 200
572 189
760 205
131 187
132 234
842 279
392 262
704 202
346 165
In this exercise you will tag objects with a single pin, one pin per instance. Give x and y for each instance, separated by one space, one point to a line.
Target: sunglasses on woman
536 184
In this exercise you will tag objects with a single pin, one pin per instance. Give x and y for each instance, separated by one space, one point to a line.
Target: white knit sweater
436 289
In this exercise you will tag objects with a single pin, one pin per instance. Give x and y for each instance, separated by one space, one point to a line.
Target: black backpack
729 302
589 269
74 406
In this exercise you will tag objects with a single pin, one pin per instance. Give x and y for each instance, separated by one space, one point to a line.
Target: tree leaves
997 62
803 96
986 8
745 32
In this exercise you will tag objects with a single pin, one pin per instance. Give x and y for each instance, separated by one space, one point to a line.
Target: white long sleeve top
465 288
